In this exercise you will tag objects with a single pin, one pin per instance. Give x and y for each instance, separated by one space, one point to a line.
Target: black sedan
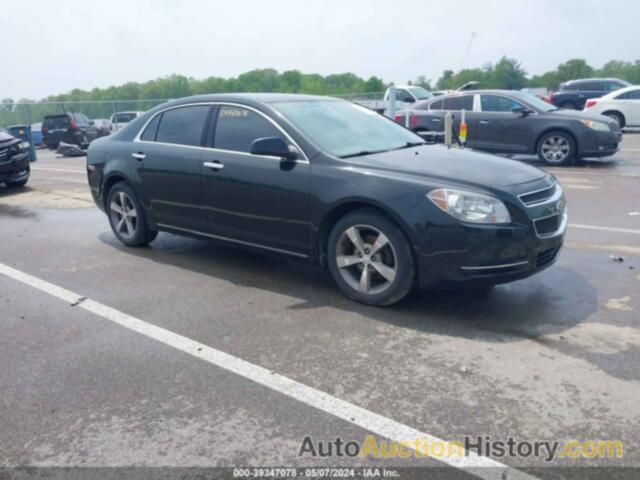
503 121
331 183
14 161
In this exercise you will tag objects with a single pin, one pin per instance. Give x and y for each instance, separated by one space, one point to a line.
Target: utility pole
466 52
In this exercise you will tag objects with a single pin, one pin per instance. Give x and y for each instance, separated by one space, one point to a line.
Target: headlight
469 206
600 126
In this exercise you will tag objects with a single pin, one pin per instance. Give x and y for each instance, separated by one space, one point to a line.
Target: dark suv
74 128
573 94
14 161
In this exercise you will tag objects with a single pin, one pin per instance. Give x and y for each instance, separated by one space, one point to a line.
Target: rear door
167 158
437 110
629 105
499 128
254 199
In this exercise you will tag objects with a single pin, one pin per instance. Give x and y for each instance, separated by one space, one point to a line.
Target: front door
254 199
500 129
167 159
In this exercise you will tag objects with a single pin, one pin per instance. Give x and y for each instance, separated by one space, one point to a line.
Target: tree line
507 73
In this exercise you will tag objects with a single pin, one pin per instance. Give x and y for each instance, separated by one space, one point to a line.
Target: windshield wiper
362 153
410 144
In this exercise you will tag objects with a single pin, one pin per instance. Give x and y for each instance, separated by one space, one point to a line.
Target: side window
183 126
149 133
495 103
611 86
436 105
633 95
590 86
238 127
404 96
463 102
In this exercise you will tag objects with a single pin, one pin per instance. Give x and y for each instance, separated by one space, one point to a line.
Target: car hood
452 164
5 137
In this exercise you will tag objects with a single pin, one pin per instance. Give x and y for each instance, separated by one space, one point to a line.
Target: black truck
573 94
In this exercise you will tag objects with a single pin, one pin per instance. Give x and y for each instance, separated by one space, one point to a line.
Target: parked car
73 127
405 95
573 94
103 126
121 119
622 105
511 122
36 134
14 161
331 183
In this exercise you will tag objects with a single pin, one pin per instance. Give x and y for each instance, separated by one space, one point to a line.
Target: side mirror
409 100
91 122
523 111
273 147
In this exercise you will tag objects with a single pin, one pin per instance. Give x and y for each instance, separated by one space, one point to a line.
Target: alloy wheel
366 259
555 149
124 215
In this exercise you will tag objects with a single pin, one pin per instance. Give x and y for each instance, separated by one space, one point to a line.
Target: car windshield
420 93
344 129
534 101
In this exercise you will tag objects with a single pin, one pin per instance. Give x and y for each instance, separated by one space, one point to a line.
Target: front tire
370 258
556 148
126 217
18 184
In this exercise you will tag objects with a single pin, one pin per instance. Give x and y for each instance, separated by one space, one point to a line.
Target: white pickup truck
405 96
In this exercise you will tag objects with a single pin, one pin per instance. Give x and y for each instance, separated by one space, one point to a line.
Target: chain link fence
27 113
21 113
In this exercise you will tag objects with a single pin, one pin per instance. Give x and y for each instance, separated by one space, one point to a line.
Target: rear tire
126 217
370 258
556 148
617 117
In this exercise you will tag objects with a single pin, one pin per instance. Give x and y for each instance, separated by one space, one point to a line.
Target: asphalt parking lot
552 357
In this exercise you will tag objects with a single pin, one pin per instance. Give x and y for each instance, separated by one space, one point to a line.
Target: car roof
584 80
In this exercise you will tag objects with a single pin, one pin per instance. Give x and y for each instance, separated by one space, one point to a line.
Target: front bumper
599 144
457 253
15 168
490 256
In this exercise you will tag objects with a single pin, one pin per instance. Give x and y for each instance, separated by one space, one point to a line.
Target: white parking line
604 229
472 463
68 170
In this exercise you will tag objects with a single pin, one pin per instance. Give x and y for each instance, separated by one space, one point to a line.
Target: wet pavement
552 357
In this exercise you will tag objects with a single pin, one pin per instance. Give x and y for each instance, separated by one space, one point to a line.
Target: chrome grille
4 153
537 196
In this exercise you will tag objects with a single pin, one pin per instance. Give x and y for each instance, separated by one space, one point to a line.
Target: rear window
436 105
56 121
464 102
183 126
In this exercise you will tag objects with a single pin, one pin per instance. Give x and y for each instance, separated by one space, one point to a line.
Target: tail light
414 121
397 118
43 130
73 125
590 103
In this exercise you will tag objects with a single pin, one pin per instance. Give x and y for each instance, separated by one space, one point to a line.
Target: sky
56 46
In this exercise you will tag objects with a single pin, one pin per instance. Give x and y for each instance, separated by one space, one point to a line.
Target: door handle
139 156
214 165
485 122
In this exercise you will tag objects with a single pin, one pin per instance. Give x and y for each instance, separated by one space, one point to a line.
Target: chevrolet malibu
332 183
